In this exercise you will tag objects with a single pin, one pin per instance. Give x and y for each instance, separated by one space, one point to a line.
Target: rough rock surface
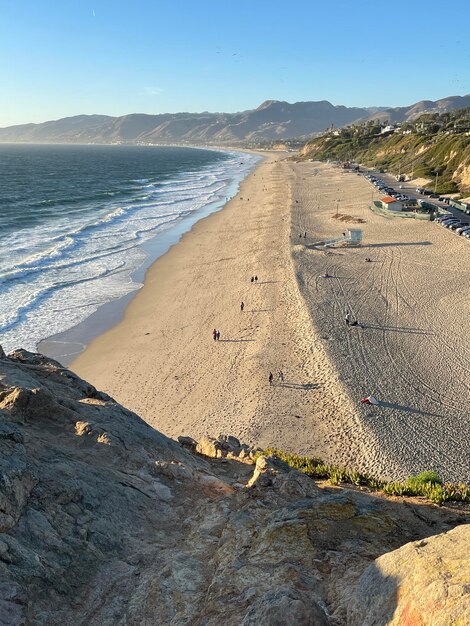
104 521
424 582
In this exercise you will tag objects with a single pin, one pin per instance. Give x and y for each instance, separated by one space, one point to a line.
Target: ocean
76 221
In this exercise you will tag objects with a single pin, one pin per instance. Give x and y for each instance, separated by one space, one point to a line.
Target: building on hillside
388 129
392 204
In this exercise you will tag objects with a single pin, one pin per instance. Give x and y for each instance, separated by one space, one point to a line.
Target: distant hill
273 120
404 114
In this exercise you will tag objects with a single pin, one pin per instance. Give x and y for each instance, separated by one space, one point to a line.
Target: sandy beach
162 362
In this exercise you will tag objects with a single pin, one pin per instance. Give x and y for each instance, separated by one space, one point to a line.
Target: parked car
462 229
458 225
450 221
441 218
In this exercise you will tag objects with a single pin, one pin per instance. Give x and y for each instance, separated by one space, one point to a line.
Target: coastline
67 345
161 361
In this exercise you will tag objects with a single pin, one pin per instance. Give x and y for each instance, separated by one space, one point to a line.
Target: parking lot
456 220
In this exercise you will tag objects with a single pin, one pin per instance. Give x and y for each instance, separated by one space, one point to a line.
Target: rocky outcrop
105 521
225 446
424 582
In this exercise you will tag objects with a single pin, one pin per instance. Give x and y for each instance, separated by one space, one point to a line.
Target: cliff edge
105 521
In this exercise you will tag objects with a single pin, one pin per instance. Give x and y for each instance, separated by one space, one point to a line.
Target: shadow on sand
234 340
305 387
400 329
267 282
406 409
398 244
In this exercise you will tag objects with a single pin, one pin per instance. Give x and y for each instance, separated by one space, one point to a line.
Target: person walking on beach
369 400
217 335
348 318
270 378
242 306
281 376
252 279
214 334
256 279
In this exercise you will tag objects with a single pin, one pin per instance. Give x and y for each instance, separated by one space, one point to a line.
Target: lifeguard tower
352 239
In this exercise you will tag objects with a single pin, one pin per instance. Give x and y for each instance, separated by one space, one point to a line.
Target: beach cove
162 362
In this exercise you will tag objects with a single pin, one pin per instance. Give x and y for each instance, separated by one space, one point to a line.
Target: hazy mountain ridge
272 120
403 114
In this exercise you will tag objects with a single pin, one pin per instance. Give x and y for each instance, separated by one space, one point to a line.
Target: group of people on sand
280 377
350 321
215 332
216 337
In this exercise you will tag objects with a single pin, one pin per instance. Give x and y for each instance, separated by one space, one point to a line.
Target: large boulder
424 582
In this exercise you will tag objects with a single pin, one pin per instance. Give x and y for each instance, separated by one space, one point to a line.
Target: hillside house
388 129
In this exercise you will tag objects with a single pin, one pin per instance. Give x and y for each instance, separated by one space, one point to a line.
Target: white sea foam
55 275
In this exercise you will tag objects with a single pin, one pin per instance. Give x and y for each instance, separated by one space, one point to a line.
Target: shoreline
161 362
197 285
67 345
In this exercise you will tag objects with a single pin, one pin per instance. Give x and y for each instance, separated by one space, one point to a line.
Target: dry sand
162 362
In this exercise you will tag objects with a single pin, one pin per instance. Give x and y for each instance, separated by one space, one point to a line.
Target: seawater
74 221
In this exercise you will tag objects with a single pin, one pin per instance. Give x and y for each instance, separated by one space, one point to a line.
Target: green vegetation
427 484
434 146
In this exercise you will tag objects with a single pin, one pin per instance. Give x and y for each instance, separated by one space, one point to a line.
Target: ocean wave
92 251
42 294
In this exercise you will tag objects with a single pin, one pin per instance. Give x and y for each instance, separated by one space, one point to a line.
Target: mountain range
272 120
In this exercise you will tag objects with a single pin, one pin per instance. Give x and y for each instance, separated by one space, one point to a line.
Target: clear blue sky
61 58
